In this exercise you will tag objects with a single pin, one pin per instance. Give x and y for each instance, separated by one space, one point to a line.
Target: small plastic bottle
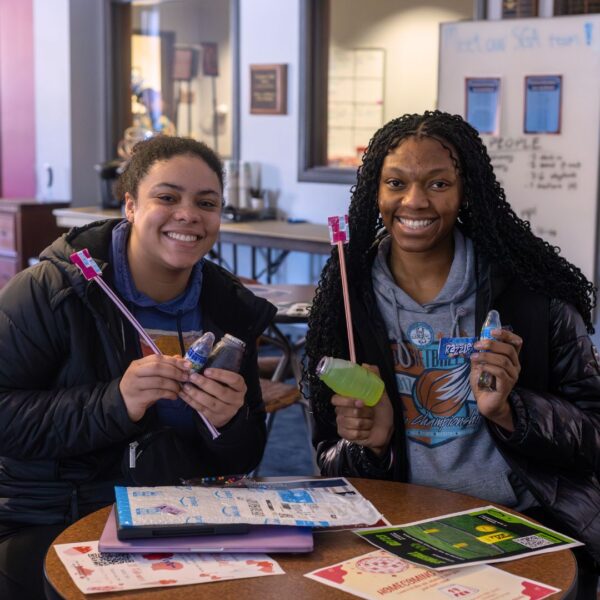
487 381
227 354
349 379
198 352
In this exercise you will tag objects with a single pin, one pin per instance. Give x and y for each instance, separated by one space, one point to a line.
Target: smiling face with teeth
175 222
419 196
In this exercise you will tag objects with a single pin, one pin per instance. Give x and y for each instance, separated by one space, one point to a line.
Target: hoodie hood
187 301
96 237
451 313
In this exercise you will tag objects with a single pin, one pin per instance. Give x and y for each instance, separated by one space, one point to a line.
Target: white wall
52 98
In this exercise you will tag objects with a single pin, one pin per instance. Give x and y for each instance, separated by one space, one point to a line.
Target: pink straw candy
91 271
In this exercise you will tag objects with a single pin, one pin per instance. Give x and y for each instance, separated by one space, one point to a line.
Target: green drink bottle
349 379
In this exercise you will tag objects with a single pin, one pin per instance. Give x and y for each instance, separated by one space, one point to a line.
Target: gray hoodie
448 444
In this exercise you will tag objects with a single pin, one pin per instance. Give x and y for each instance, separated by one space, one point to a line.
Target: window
576 7
358 71
174 71
519 9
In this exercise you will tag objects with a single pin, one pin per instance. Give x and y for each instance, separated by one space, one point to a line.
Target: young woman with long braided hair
434 246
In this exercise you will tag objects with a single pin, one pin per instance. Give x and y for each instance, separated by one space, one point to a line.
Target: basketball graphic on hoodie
442 392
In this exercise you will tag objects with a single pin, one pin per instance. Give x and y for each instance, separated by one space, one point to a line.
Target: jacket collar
232 307
96 237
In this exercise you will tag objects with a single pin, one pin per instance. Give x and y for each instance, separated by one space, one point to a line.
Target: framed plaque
268 89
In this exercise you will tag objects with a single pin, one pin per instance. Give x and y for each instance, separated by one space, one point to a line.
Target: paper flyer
481 535
380 574
306 503
96 572
543 103
483 103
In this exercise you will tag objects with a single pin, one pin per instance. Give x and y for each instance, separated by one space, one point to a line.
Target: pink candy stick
339 234
91 271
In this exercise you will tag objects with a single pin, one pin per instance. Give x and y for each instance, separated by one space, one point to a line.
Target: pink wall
17 111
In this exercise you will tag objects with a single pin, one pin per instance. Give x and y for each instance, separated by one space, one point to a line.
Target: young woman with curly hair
80 391
434 246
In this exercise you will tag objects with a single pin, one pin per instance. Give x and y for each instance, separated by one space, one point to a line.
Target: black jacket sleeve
41 416
337 457
562 427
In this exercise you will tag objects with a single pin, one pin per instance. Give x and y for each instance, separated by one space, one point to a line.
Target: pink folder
261 538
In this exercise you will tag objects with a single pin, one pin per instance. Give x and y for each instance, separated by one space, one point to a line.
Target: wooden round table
399 502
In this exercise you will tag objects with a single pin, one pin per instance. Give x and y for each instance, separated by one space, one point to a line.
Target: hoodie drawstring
405 358
456 313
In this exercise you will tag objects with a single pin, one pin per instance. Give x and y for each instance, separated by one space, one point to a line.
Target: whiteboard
550 180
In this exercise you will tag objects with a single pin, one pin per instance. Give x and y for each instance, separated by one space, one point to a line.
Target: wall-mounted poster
483 103
268 89
543 103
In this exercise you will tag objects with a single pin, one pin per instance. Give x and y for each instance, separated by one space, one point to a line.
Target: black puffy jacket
555 448
63 349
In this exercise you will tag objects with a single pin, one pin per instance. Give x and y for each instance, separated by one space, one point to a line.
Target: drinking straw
91 271
339 234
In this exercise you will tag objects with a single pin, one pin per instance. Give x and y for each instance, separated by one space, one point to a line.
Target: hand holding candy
91 271
497 357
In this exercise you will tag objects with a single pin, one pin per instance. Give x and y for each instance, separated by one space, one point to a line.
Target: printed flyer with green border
482 535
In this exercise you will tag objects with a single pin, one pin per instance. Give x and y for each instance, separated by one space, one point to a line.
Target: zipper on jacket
132 454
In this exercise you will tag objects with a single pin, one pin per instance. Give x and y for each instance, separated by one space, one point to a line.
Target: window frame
119 73
312 131
313 87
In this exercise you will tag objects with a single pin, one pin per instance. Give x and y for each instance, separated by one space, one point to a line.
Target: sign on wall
545 150
268 89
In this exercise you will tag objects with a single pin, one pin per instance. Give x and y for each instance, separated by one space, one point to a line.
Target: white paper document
96 572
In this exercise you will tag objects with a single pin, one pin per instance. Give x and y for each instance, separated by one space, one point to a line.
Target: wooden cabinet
26 228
